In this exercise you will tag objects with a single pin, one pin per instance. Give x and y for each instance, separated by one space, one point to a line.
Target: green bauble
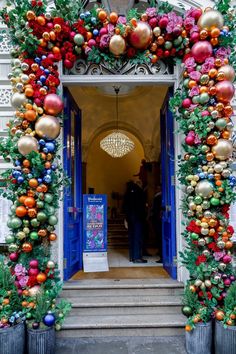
35 223
40 204
79 39
12 247
221 123
205 148
13 209
52 220
26 222
50 210
198 200
34 235
215 201
168 45
204 98
194 236
41 216
204 79
186 81
15 223
48 198
196 99
9 239
187 311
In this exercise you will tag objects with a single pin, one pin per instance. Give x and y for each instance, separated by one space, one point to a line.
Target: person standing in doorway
134 208
142 175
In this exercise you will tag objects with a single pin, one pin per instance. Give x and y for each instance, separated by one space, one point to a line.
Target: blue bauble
87 13
40 180
54 166
41 142
39 83
211 176
41 68
202 175
16 174
20 179
37 60
42 79
49 320
49 171
50 146
17 163
46 72
44 57
82 16
30 175
47 179
45 150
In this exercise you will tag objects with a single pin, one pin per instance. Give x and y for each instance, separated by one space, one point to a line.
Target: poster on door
95 223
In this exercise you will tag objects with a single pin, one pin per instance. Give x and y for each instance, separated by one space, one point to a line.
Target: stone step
123 325
117 305
122 287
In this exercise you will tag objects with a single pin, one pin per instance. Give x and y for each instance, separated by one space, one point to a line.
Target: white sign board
95 262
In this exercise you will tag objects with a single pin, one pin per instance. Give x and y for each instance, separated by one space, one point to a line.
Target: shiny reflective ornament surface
201 51
27 144
18 99
117 45
228 72
47 127
223 149
224 91
53 104
210 19
141 35
204 188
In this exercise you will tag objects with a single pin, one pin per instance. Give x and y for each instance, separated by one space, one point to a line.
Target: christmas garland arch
204 41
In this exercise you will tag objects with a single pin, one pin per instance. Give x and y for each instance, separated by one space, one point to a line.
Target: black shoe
140 260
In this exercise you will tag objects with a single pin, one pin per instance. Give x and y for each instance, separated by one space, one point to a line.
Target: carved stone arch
108 127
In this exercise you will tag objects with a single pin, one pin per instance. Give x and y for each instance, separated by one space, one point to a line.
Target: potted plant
225 325
43 318
12 328
199 325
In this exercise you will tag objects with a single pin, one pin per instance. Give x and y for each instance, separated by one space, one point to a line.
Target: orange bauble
22 199
220 315
228 245
56 50
42 232
113 17
26 163
41 277
21 211
30 115
33 183
29 91
27 247
29 202
102 15
215 32
32 212
52 237
211 140
41 20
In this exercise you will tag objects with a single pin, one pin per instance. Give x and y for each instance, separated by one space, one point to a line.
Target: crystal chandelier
116 144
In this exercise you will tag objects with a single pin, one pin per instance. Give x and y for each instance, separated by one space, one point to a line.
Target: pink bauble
224 91
103 31
153 22
163 22
186 103
226 259
17 284
228 72
68 64
91 43
194 37
205 113
13 256
196 13
53 104
189 140
33 271
227 282
140 37
201 51
51 56
34 263
20 291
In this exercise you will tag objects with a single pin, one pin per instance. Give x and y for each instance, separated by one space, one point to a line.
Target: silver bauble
206 253
19 86
230 126
16 63
208 283
18 99
24 66
204 188
50 264
218 168
226 173
221 244
189 189
47 127
27 144
208 214
204 231
223 149
24 78
201 242
198 282
211 19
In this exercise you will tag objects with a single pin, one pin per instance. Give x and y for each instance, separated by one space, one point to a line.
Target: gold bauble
47 127
140 37
211 19
18 99
204 188
228 71
223 149
27 144
117 45
34 290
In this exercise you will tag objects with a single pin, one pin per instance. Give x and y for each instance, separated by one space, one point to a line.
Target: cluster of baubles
206 121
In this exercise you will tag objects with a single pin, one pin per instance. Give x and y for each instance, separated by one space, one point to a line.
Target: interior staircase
102 308
117 235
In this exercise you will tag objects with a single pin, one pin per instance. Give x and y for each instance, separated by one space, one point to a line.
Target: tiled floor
120 258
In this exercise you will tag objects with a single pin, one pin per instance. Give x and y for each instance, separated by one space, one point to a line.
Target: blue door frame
168 188
72 164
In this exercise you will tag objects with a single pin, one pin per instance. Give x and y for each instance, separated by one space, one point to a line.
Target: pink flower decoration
189 23
19 270
110 29
122 20
197 140
195 75
194 91
218 255
104 41
222 53
23 281
190 64
195 28
208 65
151 11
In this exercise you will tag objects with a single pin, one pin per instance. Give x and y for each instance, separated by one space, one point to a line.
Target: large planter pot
41 341
225 339
199 340
12 339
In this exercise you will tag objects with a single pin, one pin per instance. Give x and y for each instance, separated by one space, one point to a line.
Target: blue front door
168 189
73 193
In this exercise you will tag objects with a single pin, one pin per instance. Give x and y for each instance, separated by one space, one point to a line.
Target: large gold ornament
27 144
140 37
204 188
223 149
47 127
211 19
228 72
117 45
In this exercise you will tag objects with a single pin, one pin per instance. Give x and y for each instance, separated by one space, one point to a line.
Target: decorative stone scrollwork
5 97
120 68
5 43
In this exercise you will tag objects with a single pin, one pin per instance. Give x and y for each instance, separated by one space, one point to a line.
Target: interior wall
106 174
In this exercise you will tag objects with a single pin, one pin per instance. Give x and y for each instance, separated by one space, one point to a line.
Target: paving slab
122 345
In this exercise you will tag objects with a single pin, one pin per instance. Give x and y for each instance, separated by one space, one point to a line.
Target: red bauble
13 256
201 51
224 91
27 247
